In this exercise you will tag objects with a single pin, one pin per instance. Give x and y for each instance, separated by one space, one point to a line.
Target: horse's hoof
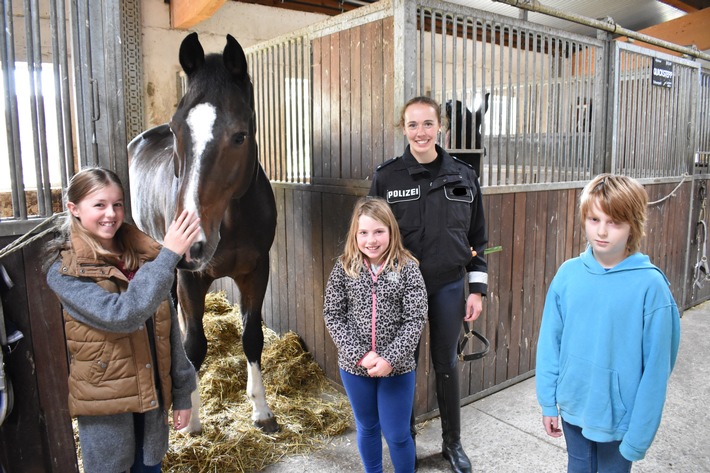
268 426
190 432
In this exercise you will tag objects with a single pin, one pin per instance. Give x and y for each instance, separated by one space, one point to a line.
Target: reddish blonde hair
620 197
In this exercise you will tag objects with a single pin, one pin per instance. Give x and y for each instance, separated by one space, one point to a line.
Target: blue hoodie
607 345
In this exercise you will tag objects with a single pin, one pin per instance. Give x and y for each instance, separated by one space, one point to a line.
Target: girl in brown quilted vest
128 367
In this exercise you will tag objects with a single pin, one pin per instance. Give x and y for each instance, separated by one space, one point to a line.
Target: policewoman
438 205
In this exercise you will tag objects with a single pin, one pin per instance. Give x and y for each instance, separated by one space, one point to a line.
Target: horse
459 125
206 159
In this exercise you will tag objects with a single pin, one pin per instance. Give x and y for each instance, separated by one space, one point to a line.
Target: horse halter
468 333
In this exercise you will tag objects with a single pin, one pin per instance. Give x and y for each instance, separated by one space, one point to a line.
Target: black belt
468 333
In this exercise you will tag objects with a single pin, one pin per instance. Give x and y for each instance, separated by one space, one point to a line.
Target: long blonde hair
81 185
396 255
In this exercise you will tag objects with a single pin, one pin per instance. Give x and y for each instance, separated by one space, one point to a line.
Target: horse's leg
192 288
252 288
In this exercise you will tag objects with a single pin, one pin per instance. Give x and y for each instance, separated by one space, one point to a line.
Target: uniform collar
415 167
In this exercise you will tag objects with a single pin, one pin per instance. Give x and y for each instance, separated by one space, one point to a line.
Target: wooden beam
688 6
690 29
680 5
185 14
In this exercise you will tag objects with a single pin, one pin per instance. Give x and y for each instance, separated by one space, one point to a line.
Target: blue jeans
587 456
138 466
382 406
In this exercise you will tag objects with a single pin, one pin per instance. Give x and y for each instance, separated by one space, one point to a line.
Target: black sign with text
662 74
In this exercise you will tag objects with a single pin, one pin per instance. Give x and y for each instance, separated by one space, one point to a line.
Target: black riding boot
447 394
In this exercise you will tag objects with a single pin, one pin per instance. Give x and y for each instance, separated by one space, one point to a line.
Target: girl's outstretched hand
182 232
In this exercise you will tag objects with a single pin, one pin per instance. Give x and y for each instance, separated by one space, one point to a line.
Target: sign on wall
662 73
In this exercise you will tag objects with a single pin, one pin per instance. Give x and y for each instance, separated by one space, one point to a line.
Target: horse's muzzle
198 258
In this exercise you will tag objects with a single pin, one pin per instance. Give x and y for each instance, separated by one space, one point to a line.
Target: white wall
249 24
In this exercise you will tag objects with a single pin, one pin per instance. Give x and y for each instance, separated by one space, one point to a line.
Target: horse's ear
192 56
485 102
234 59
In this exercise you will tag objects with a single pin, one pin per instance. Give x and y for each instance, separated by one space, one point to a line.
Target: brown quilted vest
110 372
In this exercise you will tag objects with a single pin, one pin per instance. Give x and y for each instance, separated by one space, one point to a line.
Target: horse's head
215 151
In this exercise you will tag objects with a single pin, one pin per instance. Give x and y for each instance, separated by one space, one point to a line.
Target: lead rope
702 269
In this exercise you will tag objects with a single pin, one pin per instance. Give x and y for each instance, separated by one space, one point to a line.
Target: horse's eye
238 138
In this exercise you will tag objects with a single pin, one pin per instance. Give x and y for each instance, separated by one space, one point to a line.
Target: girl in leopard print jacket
375 309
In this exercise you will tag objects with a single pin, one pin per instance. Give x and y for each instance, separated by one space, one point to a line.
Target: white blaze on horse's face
200 121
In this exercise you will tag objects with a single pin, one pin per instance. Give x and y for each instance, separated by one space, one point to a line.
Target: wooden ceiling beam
325 7
185 14
688 6
690 29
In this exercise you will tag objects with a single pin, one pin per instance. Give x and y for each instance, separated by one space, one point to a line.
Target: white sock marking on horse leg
257 394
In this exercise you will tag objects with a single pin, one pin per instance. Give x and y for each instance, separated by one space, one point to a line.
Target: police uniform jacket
441 219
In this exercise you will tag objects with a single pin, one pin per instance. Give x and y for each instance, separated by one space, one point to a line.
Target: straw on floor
307 407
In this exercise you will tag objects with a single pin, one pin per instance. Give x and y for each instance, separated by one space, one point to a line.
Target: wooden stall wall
353 102
37 436
538 231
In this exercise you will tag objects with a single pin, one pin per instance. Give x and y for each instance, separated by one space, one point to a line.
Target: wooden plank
540 268
425 390
52 368
335 147
505 278
391 148
370 50
355 114
278 272
301 258
517 303
327 128
292 268
378 126
531 285
333 210
318 276
317 98
24 433
348 51
690 29
493 213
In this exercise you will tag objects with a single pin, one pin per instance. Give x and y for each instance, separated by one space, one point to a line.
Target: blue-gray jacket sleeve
124 312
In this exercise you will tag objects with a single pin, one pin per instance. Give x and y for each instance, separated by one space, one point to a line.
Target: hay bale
309 410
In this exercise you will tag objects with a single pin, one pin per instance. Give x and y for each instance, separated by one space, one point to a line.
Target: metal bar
61 90
19 203
44 194
604 25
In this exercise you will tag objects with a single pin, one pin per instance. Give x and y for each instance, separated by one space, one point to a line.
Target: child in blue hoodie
609 336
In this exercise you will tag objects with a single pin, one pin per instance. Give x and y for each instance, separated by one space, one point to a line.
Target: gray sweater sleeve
182 371
89 303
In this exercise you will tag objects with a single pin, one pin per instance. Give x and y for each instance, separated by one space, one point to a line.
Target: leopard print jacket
400 316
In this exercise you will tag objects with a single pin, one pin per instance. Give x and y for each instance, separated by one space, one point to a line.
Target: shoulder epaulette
462 162
388 162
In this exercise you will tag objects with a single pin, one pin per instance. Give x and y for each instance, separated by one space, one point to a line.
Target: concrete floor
503 433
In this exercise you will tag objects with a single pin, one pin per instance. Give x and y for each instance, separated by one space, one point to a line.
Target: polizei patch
403 195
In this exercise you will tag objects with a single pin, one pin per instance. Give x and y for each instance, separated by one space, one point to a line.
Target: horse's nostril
197 249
